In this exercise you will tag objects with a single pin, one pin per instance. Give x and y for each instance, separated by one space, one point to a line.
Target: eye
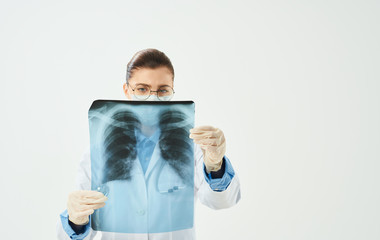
165 91
141 89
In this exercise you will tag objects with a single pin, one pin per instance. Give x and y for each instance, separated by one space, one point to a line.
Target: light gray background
294 85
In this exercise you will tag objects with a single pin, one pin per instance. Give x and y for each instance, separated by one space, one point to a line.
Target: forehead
153 77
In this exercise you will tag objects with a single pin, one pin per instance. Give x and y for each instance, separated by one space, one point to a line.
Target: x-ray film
142 159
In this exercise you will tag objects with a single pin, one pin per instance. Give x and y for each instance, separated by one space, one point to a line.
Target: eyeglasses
142 92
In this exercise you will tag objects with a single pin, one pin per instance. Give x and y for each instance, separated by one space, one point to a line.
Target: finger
91 194
212 133
211 141
100 200
85 194
202 128
82 208
208 141
202 135
92 206
99 206
89 201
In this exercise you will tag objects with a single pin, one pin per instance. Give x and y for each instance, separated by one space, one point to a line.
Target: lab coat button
103 189
141 212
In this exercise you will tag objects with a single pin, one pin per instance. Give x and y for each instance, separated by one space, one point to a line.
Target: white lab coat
202 190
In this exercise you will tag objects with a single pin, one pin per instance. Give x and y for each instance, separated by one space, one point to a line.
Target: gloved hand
81 204
213 145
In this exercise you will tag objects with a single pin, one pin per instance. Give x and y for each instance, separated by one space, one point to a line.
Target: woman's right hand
81 204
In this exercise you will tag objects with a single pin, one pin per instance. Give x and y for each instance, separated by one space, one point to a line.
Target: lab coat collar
156 155
153 161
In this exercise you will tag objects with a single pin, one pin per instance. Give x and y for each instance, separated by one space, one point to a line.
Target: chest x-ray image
142 159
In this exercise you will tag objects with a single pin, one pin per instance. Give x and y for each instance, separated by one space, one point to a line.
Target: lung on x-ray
142 159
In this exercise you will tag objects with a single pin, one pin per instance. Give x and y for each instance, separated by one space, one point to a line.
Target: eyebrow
151 85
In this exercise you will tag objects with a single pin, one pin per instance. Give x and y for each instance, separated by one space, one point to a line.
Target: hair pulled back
148 58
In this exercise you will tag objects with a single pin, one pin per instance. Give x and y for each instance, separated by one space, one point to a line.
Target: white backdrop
294 85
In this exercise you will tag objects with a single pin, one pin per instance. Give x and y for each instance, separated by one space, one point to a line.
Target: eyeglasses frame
150 89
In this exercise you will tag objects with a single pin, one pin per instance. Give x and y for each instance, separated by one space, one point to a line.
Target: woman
150 76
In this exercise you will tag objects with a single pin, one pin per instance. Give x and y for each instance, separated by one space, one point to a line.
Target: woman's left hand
213 145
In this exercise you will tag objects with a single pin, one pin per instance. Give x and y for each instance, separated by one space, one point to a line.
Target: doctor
150 76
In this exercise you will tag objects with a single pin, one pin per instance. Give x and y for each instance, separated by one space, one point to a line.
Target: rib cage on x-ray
159 199
175 145
120 144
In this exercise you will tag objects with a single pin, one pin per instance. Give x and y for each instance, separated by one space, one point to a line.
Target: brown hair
148 58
